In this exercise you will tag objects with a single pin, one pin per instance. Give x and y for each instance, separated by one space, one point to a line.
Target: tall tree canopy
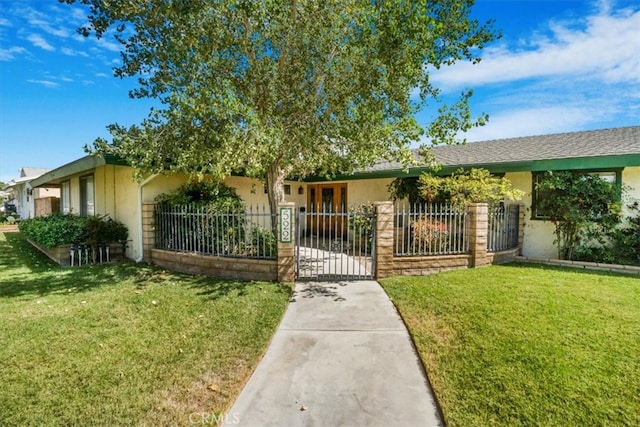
278 88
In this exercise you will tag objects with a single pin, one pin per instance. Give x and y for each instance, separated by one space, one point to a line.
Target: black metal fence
430 229
244 232
503 228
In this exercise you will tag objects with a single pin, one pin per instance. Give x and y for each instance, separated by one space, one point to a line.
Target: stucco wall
631 179
538 234
367 190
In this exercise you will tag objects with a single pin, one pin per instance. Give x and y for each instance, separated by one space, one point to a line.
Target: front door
327 204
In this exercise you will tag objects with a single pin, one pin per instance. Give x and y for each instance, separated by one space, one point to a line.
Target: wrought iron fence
503 228
430 229
336 244
241 232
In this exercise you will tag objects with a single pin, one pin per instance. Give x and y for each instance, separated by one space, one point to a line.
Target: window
613 176
87 204
287 189
65 196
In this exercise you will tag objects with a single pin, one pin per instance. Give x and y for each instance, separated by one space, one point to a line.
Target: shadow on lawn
26 271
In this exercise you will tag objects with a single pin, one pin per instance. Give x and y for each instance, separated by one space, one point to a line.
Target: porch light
301 190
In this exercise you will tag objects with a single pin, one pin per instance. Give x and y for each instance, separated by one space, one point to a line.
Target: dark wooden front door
327 204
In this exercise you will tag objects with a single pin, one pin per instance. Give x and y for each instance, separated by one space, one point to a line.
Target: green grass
124 344
527 345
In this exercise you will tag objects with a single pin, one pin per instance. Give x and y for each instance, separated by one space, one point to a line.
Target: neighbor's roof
617 147
29 172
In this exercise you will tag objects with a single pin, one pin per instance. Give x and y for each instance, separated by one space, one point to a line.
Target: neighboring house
105 185
27 200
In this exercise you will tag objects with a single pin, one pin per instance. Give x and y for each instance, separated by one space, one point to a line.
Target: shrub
428 235
63 229
583 209
263 243
361 227
626 239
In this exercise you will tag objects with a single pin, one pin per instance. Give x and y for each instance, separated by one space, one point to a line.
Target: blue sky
561 66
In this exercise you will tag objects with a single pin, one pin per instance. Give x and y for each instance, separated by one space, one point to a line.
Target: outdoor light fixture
301 190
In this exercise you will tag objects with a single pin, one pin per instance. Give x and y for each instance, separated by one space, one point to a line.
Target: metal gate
335 245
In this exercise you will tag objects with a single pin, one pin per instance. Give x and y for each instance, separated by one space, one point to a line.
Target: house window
287 189
613 176
65 197
87 203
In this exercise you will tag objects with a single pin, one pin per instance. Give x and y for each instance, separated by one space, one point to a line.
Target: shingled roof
572 145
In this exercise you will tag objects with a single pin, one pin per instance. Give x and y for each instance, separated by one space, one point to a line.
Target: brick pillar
478 227
286 249
384 239
521 212
148 230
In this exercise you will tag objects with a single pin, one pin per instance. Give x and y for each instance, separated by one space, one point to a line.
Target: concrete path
341 357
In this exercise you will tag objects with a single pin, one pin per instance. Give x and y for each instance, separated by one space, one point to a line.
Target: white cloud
9 54
39 41
604 46
4 22
46 83
47 28
71 52
108 45
532 121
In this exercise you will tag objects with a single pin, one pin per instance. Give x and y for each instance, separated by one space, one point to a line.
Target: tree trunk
275 190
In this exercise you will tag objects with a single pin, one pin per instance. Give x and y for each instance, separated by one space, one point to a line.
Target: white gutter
140 234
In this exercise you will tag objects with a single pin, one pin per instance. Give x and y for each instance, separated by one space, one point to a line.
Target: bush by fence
430 229
64 229
235 231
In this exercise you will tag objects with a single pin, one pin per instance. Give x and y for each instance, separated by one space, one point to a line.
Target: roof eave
84 164
574 163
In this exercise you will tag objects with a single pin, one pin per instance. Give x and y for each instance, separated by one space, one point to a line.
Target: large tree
285 88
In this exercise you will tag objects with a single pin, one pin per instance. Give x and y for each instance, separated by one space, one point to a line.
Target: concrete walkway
341 357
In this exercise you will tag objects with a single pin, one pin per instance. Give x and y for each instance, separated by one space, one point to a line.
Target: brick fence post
478 228
148 230
286 217
384 240
521 213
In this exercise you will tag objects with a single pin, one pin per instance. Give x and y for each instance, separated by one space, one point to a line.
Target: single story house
105 185
28 200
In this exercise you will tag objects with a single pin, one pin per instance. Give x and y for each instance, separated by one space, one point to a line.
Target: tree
574 202
285 88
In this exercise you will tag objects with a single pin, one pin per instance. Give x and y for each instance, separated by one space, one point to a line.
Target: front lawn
527 345
124 344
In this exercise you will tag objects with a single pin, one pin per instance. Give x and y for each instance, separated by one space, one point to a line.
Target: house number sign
286 225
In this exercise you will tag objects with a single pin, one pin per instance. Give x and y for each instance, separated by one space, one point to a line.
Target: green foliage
274 89
263 243
63 229
582 207
213 194
209 217
464 187
612 244
8 217
361 225
406 188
